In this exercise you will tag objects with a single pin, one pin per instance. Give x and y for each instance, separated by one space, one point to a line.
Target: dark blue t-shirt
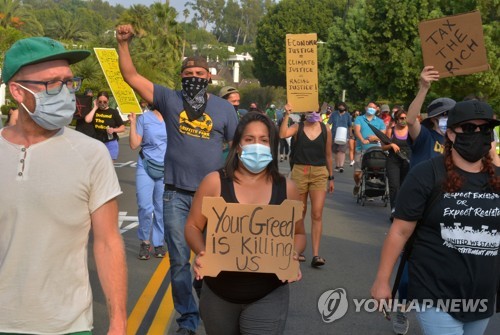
428 144
194 147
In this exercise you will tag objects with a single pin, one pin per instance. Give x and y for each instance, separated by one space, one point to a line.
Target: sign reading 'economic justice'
250 238
302 72
454 45
122 92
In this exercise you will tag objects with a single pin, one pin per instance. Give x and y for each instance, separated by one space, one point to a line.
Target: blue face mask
371 111
52 111
256 157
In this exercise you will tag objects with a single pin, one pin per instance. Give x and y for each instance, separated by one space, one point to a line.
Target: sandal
317 261
302 258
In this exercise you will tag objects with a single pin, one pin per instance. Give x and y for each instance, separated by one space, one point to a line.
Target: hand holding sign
427 76
454 45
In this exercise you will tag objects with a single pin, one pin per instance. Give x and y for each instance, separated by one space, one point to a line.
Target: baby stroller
373 181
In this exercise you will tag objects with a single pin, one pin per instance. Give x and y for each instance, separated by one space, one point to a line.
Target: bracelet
331 177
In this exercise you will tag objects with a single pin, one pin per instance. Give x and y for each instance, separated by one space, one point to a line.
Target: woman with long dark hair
244 302
398 160
107 123
450 205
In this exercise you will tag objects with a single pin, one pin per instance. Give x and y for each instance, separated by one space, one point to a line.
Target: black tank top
307 152
402 144
245 287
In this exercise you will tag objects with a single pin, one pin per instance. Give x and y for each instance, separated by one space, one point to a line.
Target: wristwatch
331 177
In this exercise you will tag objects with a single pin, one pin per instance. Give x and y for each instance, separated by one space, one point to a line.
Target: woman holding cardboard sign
312 170
239 302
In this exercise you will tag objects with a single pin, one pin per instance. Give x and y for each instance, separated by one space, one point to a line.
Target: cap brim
72 56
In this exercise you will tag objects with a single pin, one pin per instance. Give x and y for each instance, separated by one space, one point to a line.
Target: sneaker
400 323
184 331
336 169
160 252
341 169
286 157
352 163
144 251
281 158
355 191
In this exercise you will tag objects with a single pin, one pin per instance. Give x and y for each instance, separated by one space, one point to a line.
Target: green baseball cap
35 50
226 90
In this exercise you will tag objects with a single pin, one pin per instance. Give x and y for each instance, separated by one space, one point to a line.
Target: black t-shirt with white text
455 253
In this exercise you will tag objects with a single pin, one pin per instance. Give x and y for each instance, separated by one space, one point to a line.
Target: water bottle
110 136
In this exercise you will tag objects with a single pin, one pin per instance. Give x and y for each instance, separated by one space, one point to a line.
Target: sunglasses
469 128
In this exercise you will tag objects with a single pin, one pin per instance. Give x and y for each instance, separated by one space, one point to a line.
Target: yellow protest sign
302 72
250 238
454 45
122 92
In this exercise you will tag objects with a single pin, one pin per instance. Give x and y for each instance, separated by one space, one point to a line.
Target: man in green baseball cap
57 185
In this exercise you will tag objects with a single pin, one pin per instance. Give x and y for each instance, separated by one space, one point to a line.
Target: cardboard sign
302 72
454 45
250 238
122 92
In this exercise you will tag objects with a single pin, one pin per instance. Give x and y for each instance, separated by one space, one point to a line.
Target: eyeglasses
54 87
469 128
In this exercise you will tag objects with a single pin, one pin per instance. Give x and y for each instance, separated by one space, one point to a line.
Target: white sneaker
400 323
352 163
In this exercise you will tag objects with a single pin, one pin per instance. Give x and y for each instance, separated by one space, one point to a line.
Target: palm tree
157 50
16 15
68 28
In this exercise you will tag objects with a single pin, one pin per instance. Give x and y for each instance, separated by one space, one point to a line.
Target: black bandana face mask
472 146
194 92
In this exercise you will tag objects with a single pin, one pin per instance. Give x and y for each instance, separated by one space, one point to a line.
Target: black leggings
265 316
284 147
396 170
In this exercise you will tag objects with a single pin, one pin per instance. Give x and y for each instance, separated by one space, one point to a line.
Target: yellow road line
166 308
163 314
147 296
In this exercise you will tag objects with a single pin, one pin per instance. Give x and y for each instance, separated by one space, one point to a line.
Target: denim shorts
113 149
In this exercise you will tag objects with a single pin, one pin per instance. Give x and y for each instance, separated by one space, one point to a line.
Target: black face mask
472 146
341 110
236 107
194 92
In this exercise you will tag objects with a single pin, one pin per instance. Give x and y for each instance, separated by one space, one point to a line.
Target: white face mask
442 121
52 111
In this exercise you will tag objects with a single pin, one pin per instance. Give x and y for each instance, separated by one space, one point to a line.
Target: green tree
207 11
67 27
13 13
231 27
157 50
289 17
375 53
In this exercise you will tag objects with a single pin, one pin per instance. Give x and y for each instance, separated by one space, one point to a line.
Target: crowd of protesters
429 164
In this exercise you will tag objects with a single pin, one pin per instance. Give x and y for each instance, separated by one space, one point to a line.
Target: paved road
352 238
